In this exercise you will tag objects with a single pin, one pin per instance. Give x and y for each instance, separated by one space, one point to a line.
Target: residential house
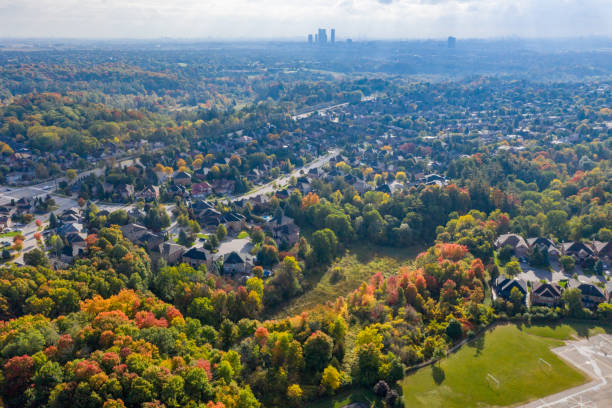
209 218
201 190
504 286
517 243
546 244
223 186
283 228
545 294
133 232
234 263
578 250
195 257
150 193
149 240
171 253
592 295
603 250
126 192
182 178
77 242
72 228
234 222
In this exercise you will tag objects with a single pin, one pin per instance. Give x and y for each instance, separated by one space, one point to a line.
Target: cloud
296 18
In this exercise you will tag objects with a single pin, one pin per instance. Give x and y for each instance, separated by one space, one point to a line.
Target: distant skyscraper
452 41
322 36
333 35
309 38
316 38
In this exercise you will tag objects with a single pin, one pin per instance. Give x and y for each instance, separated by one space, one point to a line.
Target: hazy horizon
277 20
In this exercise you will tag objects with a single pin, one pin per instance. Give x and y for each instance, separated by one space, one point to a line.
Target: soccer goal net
493 382
544 365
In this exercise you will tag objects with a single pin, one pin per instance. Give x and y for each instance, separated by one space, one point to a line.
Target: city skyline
273 19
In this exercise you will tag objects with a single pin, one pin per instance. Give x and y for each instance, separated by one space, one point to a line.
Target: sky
294 19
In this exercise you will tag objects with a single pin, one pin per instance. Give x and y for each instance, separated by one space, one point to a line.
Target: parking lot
594 357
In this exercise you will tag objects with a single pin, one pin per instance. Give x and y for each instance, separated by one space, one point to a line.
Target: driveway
555 274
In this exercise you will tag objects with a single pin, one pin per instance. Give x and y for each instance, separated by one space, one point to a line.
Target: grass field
567 331
511 355
357 265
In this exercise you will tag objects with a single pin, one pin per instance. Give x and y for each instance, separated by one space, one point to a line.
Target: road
278 183
304 115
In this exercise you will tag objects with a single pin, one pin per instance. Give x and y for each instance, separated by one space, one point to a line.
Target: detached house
515 241
283 228
201 190
578 250
592 295
150 193
546 244
603 249
133 232
182 178
504 286
171 253
545 294
196 257
234 263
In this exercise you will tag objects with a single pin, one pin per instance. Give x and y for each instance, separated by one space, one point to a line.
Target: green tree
221 232
318 351
567 263
36 257
572 300
324 246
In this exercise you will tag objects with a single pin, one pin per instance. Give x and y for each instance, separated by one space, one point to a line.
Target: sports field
504 367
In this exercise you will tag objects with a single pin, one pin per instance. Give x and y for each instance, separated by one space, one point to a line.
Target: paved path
594 357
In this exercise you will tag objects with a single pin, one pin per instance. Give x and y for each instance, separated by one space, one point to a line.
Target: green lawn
567 331
357 265
509 354
10 234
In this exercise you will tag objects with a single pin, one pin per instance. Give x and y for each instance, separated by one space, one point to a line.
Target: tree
505 254
318 351
330 380
324 246
71 175
513 268
366 371
454 329
183 239
567 263
56 244
36 257
221 232
517 300
294 394
257 235
52 221
267 255
572 300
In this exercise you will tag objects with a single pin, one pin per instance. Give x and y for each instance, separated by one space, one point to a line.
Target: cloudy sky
230 19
